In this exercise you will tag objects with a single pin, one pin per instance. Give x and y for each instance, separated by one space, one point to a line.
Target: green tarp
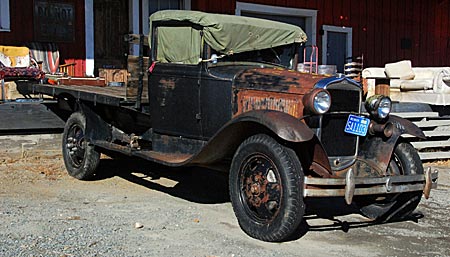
226 34
179 45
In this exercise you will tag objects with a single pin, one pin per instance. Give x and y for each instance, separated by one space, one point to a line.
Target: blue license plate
357 125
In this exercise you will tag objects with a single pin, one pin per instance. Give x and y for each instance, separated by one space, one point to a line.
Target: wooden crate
437 131
114 75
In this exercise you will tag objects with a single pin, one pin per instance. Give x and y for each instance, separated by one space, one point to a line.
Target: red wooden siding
22 32
378 26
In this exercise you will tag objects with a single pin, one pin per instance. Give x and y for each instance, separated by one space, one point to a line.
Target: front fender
284 125
230 136
406 127
376 151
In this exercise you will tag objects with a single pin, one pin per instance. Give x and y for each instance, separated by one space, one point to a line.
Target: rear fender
376 151
96 127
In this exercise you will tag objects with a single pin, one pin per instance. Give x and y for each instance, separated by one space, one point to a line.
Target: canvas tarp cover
227 34
178 45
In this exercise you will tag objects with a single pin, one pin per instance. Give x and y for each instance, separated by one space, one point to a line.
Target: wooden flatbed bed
114 96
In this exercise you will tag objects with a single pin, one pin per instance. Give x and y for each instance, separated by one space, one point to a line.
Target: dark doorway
110 25
337 49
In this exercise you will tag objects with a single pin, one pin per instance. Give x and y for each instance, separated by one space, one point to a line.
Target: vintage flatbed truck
223 93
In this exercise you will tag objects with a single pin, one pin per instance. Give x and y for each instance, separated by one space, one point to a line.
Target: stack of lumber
437 130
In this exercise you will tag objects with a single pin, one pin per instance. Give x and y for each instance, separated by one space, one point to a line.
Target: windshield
281 56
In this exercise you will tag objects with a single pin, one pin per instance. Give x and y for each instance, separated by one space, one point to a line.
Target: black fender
406 127
96 127
376 151
282 124
288 128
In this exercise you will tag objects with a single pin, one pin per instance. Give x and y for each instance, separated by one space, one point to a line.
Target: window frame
348 31
5 16
310 15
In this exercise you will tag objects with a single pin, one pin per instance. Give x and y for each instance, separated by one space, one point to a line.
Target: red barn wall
378 26
21 17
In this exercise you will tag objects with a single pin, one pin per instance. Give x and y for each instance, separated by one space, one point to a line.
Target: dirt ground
135 208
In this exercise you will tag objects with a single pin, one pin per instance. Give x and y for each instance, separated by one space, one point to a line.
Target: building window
4 16
157 5
304 18
152 6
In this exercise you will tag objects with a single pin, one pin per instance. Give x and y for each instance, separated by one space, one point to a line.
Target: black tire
266 189
404 161
80 158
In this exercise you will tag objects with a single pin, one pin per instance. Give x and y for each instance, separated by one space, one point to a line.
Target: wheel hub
75 145
261 187
255 190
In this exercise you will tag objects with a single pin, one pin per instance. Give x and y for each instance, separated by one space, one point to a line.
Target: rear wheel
404 161
266 189
80 158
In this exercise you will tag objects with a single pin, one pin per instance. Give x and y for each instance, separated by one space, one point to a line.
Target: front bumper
351 185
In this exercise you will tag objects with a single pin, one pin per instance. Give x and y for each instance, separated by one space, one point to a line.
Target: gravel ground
134 208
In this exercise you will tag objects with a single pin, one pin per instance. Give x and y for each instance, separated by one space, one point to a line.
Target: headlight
384 108
317 101
379 106
322 102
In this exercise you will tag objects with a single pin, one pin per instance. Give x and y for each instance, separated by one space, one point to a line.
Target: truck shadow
193 184
326 214
206 186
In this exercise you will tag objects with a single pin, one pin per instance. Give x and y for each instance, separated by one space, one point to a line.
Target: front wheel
80 158
404 161
266 189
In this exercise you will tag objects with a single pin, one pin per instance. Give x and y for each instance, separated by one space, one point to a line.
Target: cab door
174 81
174 100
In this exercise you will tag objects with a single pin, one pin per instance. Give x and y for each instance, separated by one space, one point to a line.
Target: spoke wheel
80 158
382 208
266 189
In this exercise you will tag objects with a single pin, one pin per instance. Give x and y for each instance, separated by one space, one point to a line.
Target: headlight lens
384 108
317 101
322 102
379 106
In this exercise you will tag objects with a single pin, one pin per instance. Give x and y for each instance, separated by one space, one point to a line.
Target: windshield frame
223 60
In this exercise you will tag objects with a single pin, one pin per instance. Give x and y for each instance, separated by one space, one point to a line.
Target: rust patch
277 80
249 100
272 89
168 83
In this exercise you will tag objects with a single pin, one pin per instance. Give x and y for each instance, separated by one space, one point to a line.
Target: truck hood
275 80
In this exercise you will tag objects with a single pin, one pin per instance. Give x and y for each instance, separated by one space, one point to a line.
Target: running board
169 159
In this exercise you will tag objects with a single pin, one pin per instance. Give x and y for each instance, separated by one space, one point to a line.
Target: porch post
89 31
135 23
